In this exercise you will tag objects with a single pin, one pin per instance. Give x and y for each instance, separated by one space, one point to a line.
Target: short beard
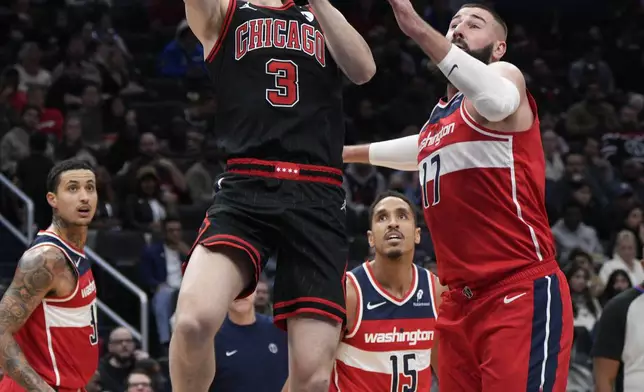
484 55
394 254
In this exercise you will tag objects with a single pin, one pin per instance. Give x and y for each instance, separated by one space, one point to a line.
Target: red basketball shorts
514 337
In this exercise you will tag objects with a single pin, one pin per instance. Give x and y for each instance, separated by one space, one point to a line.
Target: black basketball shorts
294 212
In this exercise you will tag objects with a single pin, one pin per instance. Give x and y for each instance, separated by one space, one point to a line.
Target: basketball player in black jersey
277 71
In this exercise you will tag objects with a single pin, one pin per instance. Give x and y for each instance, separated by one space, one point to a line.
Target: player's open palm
407 18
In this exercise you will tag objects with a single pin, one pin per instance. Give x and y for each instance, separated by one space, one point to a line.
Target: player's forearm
604 385
399 154
15 365
350 51
430 40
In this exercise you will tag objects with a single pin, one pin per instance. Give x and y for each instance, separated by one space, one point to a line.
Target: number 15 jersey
60 338
389 346
279 92
483 194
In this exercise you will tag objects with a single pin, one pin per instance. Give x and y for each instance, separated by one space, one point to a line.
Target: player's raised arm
205 18
349 50
399 154
35 277
495 90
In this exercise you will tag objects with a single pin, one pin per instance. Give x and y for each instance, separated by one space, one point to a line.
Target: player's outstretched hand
406 16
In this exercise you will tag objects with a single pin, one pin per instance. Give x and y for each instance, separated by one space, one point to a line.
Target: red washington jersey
483 195
60 338
389 347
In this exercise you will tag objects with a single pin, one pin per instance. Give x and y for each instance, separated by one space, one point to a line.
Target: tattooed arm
36 276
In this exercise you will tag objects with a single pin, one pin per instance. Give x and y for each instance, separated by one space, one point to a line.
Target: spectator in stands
31 175
263 303
592 116
592 212
248 340
91 115
72 145
51 119
105 32
170 178
619 343
9 80
200 176
147 208
586 309
624 258
139 381
106 216
76 57
29 68
618 281
160 272
126 146
585 261
183 56
570 233
8 114
152 369
554 163
362 183
14 145
119 361
589 68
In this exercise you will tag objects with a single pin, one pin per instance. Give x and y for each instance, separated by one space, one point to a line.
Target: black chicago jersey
279 90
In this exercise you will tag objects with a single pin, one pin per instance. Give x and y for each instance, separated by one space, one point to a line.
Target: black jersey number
435 160
407 376
286 93
93 338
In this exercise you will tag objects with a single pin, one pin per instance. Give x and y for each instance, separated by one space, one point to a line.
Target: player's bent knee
197 327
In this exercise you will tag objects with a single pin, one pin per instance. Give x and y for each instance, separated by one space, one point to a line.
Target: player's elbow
365 73
499 106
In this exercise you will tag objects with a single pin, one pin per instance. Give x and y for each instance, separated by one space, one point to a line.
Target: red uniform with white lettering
389 347
60 338
506 324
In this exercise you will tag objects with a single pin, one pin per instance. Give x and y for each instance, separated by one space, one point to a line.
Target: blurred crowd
122 85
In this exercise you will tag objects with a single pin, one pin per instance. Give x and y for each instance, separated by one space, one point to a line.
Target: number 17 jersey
279 91
483 195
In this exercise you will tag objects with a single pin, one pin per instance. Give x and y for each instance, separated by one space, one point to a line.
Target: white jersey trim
464 115
388 296
380 362
50 345
54 235
358 317
61 317
432 290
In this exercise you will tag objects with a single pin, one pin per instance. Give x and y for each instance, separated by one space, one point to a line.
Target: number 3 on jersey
286 93
429 164
403 373
93 338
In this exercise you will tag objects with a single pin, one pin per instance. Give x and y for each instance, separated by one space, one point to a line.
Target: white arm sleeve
399 154
493 96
